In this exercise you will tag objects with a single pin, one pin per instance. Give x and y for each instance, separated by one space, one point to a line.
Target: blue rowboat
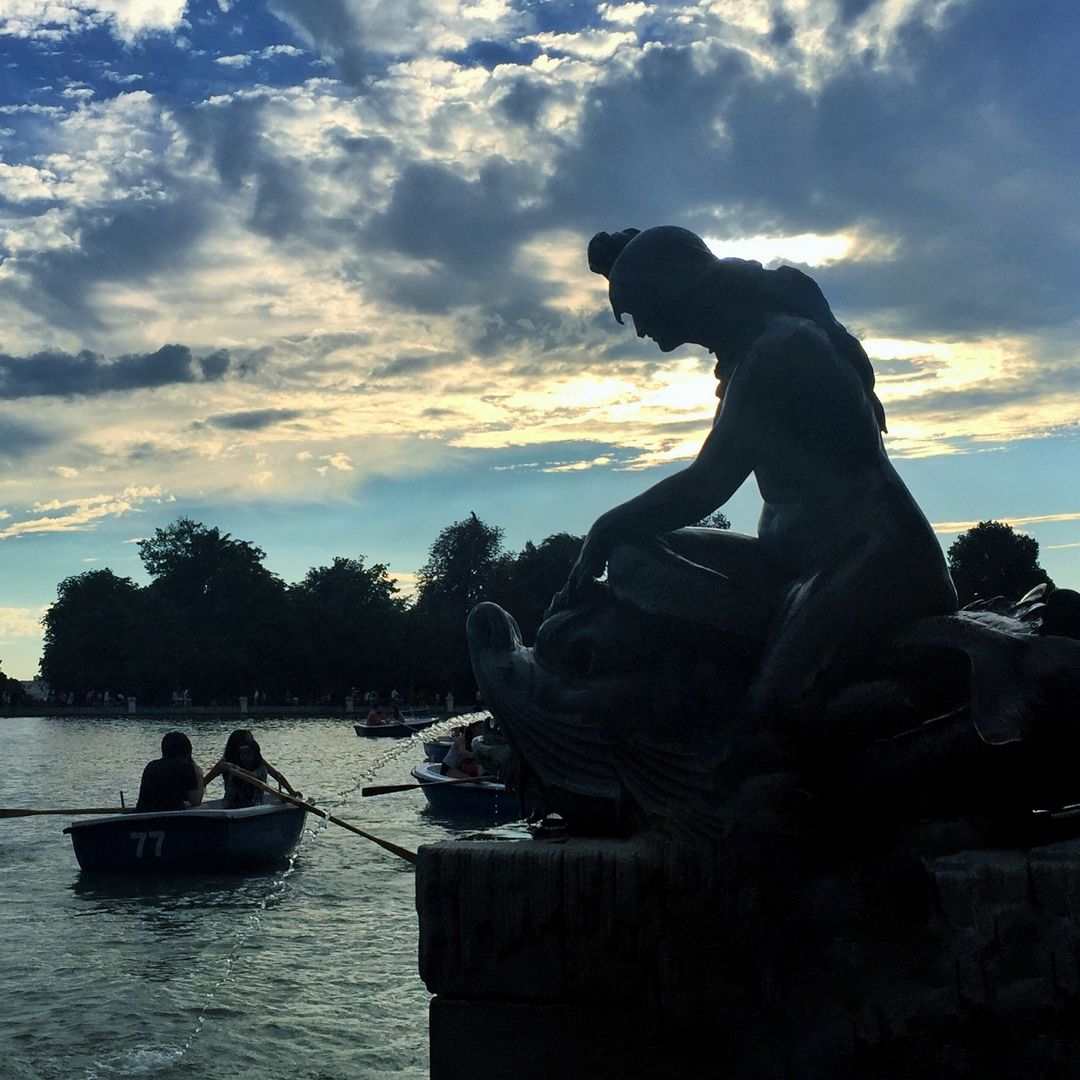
436 749
467 798
396 728
206 838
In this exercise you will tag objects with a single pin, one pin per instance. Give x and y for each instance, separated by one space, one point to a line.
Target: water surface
306 972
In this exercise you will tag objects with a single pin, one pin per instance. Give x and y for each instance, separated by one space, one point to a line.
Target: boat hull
436 749
485 799
395 729
197 840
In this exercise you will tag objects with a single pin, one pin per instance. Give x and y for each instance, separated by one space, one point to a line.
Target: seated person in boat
460 762
172 781
374 717
242 751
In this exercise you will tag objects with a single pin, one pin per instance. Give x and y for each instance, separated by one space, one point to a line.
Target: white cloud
20 623
76 515
128 19
1017 522
584 45
339 461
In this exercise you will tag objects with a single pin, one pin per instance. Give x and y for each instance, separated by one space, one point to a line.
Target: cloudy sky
313 271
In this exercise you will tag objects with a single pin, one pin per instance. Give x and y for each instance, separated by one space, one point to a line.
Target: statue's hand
589 566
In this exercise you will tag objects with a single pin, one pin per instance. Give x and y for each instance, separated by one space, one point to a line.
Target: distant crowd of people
182 698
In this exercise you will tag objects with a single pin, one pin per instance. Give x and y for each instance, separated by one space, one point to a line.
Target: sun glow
806 249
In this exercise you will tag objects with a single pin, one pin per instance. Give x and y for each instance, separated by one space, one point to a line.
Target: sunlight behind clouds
370 220
805 249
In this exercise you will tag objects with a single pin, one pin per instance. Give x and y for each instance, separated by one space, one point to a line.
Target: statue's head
667 279
655 275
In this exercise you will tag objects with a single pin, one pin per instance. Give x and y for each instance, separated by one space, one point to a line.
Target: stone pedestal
623 958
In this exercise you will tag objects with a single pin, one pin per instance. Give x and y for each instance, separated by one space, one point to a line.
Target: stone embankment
624 958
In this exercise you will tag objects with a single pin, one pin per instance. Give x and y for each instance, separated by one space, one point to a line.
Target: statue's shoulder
791 348
788 334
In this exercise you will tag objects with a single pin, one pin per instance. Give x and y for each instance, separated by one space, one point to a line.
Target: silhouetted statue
709 656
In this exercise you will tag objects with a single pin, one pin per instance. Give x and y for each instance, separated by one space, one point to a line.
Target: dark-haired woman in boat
242 751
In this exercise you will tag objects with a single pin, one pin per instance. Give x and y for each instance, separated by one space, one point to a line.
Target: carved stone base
585 957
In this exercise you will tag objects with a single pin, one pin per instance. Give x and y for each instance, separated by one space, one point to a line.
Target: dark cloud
18 438
233 136
958 153
335 31
524 101
468 225
415 365
905 367
60 374
124 242
250 420
370 148
1033 386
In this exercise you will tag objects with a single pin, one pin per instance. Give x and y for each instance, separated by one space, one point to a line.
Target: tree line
215 622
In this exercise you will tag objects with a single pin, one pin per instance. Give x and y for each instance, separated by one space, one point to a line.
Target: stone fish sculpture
826 650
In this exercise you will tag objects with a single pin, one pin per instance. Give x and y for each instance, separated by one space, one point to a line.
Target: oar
17 812
387 789
400 852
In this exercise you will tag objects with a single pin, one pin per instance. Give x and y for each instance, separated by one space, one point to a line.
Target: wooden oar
400 852
387 789
17 812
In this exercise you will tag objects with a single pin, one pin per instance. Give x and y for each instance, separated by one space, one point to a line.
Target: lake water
308 972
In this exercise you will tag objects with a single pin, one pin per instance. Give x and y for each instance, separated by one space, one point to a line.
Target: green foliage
466 564
91 638
536 574
10 689
462 564
715 520
350 629
213 620
991 560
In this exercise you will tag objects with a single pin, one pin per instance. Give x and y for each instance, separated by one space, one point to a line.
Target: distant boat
404 722
467 798
206 838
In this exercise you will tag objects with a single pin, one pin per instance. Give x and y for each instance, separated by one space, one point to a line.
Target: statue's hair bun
605 248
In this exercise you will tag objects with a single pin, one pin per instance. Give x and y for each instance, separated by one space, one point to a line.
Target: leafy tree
216 620
462 563
10 688
91 640
991 560
715 520
352 628
466 564
536 574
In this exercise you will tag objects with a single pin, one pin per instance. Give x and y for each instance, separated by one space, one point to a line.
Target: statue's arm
723 463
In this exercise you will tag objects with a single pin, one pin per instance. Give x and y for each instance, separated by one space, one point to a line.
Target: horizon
315 274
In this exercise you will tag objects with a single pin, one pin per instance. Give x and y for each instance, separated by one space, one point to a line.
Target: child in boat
460 762
242 750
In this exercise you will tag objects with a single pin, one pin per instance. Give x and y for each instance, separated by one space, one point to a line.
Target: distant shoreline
195 711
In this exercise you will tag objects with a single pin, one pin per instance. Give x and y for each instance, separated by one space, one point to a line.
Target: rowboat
396 728
206 838
467 798
436 749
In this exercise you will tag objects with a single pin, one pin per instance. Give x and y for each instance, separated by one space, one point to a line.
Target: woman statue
843 557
